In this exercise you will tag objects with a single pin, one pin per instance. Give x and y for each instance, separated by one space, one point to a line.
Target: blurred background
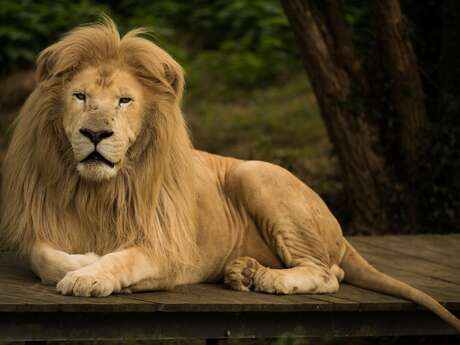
359 100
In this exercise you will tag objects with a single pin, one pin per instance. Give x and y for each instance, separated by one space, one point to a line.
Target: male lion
100 163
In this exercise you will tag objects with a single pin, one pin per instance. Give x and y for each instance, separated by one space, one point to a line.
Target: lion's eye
80 96
124 100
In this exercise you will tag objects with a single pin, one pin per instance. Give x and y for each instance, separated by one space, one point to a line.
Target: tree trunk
402 69
340 87
407 96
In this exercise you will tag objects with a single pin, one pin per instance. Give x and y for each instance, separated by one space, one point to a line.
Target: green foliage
27 26
249 39
240 43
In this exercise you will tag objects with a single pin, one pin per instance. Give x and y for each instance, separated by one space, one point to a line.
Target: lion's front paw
88 282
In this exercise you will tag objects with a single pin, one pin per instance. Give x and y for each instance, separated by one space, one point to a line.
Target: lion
104 193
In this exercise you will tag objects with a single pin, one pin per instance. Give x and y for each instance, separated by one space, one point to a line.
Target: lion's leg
51 265
114 272
295 223
149 284
246 273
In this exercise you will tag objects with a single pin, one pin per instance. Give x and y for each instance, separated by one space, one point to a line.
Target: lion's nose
95 136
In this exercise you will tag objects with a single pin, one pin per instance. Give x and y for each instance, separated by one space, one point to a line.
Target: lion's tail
360 273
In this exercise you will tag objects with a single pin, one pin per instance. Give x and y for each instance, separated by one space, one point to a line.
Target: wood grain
32 311
413 259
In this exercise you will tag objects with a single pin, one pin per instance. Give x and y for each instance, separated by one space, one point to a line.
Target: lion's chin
96 171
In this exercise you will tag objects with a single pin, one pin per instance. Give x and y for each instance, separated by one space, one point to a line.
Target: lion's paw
272 281
239 273
88 282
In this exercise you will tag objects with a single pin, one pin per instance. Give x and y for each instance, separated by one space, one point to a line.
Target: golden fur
39 181
159 213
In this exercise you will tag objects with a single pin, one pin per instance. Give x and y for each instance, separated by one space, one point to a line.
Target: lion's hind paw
239 273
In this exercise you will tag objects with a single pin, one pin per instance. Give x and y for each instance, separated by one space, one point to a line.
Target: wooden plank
41 298
370 300
408 263
424 275
433 248
31 311
20 290
441 249
216 297
441 290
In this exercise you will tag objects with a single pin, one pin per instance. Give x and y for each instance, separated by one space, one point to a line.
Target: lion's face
102 118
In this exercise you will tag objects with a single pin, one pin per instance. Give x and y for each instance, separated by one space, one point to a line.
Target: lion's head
110 88
100 155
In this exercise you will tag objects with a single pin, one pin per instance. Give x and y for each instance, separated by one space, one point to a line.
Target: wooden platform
31 311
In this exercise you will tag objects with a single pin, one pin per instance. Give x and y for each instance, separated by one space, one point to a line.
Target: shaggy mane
147 204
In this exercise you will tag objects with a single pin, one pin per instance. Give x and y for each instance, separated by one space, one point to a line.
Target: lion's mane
149 202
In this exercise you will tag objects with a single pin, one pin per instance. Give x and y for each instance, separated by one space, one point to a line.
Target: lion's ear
174 74
56 61
46 62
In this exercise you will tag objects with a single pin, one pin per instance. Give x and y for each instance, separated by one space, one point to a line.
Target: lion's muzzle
95 136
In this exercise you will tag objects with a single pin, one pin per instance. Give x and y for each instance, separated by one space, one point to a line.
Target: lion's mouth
96 157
